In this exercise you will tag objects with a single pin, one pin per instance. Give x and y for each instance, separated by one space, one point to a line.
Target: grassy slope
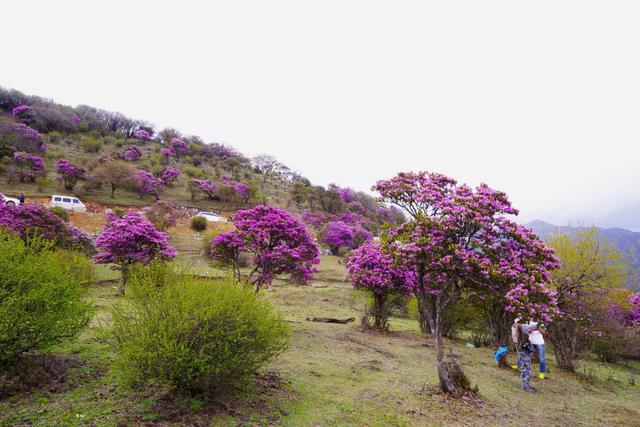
331 375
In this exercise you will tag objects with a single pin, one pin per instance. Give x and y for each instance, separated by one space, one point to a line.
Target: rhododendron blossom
142 135
132 154
145 184
27 166
459 238
277 242
69 173
338 234
17 111
169 175
178 146
129 240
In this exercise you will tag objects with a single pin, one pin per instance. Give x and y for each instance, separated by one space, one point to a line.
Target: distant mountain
625 241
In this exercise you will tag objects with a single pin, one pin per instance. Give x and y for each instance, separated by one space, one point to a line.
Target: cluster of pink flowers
207 187
27 132
76 119
17 111
178 146
35 220
142 135
370 268
28 166
132 153
634 314
243 190
167 152
69 173
169 175
277 242
131 239
458 235
145 184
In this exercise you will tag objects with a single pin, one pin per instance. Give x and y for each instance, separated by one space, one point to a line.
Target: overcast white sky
539 99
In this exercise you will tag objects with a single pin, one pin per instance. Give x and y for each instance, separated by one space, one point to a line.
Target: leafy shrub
41 296
194 172
198 223
91 145
42 182
61 213
193 334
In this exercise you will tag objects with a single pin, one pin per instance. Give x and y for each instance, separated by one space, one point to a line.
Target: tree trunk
113 190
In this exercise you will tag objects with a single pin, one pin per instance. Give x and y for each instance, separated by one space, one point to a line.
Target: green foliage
41 296
61 213
198 223
193 334
91 144
42 182
194 172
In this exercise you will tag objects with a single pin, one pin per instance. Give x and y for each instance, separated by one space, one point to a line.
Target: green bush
61 213
91 145
195 335
198 223
194 172
41 296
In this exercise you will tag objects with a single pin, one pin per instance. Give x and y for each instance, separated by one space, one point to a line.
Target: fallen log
331 320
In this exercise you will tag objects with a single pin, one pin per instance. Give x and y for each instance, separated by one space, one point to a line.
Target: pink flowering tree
145 184
207 187
316 220
374 271
142 135
634 313
169 175
69 174
20 137
27 167
21 110
448 244
277 242
243 191
178 147
132 153
338 234
130 240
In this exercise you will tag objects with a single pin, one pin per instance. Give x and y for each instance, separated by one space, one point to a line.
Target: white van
67 202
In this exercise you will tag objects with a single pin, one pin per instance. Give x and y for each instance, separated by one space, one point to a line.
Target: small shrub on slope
196 335
41 296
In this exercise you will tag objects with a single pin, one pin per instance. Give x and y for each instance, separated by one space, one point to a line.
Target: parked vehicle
212 217
8 200
68 202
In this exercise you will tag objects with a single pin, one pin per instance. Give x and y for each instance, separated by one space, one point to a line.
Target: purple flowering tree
145 184
634 313
20 137
178 147
132 153
22 112
338 234
27 167
129 240
203 186
142 135
277 242
451 243
169 175
166 152
243 190
372 270
69 174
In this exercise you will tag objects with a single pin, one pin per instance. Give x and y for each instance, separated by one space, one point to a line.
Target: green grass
332 375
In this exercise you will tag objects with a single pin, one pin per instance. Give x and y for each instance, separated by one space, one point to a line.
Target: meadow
332 375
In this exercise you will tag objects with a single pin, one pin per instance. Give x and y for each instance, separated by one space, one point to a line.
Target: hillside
625 241
332 375
123 162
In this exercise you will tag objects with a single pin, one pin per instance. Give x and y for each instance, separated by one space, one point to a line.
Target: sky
538 99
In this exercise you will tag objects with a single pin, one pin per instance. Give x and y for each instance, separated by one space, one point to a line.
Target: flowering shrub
76 119
277 242
142 135
132 154
27 166
338 234
20 109
129 240
145 184
28 221
242 190
167 152
169 175
178 147
20 137
634 313
69 173
458 238
203 186
372 270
